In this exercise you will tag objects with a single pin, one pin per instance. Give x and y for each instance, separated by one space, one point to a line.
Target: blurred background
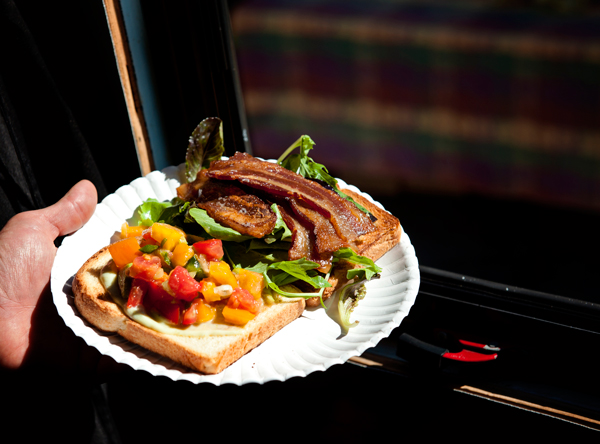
475 121
498 98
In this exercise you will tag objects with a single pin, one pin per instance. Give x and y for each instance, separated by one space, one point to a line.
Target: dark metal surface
546 345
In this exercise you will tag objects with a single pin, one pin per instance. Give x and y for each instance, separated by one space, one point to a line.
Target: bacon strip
303 242
327 240
231 206
348 222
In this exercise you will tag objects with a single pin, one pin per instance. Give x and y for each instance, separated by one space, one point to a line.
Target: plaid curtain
492 98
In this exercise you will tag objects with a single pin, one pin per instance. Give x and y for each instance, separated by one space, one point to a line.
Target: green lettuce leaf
150 211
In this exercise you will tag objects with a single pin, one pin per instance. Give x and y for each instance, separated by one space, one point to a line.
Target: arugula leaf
205 145
277 270
349 198
369 269
300 270
304 165
278 275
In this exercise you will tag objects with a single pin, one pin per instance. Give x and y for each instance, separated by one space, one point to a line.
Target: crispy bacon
232 206
303 242
327 240
347 220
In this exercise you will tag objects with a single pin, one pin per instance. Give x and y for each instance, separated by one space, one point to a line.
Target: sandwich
241 251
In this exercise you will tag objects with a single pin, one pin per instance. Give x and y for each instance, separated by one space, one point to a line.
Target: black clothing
62 112
62 119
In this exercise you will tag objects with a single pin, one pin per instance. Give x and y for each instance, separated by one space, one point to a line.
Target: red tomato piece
146 267
190 316
211 248
139 288
158 299
183 284
243 299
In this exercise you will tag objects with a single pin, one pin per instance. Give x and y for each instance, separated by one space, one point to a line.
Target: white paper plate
311 343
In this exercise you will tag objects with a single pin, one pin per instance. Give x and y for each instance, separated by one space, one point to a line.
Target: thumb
74 209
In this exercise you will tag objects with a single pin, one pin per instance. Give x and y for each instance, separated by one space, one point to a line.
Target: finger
72 211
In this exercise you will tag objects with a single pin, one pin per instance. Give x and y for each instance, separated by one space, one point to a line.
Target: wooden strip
128 82
359 360
371 360
557 413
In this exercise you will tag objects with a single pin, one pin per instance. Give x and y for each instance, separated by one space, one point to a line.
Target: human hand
32 332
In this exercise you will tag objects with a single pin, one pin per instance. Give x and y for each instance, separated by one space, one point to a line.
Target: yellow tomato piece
167 235
220 273
206 312
208 291
124 251
182 253
251 281
131 231
237 316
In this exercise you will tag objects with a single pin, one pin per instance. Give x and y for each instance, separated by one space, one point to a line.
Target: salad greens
151 211
267 256
304 165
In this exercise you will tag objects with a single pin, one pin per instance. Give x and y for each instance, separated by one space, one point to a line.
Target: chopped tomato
131 230
251 281
158 299
237 316
198 311
124 251
147 234
243 299
190 316
220 273
184 286
182 253
167 235
147 267
207 288
212 249
139 288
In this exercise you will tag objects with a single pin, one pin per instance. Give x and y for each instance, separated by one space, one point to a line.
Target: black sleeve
62 111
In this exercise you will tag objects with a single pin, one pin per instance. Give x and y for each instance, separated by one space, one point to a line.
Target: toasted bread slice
206 354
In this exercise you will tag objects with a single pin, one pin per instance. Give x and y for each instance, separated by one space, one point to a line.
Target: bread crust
210 354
